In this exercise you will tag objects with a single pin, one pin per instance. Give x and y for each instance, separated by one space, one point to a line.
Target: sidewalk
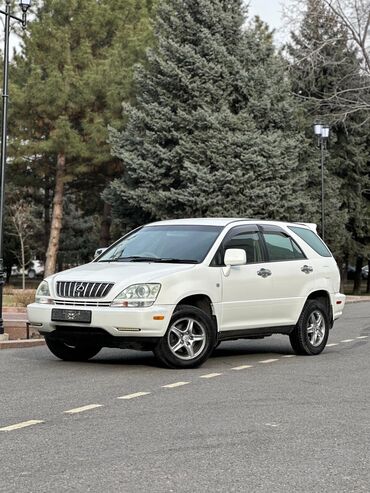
15 324
15 320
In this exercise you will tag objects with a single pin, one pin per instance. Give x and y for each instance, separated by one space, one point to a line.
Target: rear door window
281 247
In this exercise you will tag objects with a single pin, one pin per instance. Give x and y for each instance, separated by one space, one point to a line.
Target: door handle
264 273
307 269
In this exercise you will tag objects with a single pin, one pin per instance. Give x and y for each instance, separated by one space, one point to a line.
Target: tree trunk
56 218
358 273
47 197
105 238
23 264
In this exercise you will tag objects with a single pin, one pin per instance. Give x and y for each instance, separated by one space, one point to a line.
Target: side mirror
234 256
99 251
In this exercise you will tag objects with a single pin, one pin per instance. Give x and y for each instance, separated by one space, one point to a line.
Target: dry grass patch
19 297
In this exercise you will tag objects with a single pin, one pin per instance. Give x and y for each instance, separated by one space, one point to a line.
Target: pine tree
74 71
213 130
325 64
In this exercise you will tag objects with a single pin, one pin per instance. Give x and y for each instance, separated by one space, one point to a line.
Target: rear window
312 240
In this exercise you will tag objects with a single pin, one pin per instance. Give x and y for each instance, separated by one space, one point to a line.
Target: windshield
171 244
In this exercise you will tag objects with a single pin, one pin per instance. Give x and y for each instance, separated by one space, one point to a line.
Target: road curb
14 309
21 343
357 299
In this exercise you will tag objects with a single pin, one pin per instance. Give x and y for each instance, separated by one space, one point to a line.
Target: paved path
254 418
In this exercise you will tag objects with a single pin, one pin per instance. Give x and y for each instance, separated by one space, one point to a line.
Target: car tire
68 352
189 340
31 274
311 333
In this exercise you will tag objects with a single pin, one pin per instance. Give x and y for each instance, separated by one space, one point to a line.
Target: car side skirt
232 335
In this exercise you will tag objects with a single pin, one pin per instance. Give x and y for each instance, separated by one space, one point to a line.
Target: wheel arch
201 301
324 298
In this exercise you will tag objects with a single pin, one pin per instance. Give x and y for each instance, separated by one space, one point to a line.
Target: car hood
124 273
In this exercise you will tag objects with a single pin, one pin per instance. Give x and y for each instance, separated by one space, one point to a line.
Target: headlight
137 295
43 294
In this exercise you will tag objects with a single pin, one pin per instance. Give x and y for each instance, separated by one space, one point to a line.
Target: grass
8 300
18 297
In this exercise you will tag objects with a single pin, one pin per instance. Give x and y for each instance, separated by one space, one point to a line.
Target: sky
268 10
271 12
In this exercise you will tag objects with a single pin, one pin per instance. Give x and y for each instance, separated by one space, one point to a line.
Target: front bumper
118 322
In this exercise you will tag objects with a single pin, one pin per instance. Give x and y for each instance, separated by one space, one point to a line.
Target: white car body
243 302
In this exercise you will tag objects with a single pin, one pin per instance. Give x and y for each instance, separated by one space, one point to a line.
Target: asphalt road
259 422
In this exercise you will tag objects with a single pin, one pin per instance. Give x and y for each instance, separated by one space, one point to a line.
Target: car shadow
229 350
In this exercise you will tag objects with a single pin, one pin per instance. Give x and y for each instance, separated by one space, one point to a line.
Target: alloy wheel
316 328
187 338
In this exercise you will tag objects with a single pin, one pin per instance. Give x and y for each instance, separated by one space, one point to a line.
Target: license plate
60 315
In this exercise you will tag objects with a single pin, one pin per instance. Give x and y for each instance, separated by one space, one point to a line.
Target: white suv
180 287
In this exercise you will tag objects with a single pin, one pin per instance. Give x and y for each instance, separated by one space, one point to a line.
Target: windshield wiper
177 261
133 258
160 260
137 258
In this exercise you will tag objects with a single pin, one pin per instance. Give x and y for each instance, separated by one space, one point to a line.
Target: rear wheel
311 333
189 340
68 352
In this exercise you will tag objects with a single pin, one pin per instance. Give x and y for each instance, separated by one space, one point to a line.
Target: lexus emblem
80 288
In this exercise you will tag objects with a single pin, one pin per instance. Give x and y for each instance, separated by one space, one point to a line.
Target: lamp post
322 133
24 5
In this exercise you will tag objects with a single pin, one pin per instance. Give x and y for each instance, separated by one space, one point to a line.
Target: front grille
76 289
81 303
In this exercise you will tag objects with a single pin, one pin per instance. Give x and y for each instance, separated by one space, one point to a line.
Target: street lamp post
322 133
24 5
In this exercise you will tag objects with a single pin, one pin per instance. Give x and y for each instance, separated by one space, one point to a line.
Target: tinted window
250 243
281 247
312 240
162 243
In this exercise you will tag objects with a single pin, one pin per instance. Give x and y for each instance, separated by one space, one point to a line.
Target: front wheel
66 352
311 333
189 340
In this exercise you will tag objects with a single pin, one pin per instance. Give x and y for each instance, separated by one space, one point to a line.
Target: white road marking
132 396
242 367
273 425
173 385
211 375
265 361
82 409
332 344
289 356
22 425
362 337
347 340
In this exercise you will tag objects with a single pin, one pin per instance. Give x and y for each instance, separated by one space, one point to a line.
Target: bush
23 297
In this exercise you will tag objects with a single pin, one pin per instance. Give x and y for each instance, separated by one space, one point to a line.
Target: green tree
324 64
213 131
73 73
